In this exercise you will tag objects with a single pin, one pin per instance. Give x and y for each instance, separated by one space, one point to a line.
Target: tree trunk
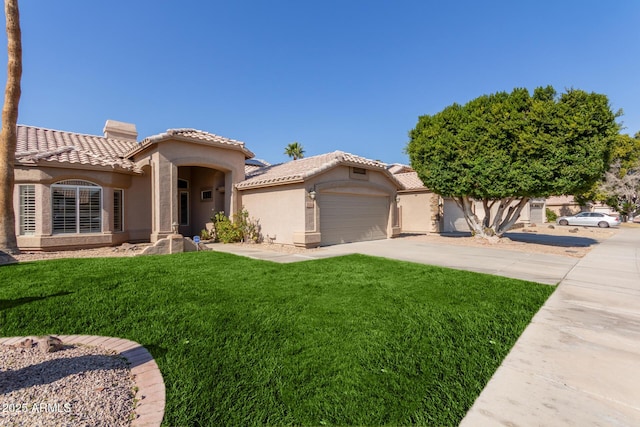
512 216
466 204
490 228
8 133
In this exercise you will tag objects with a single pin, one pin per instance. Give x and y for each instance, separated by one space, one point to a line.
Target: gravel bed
76 386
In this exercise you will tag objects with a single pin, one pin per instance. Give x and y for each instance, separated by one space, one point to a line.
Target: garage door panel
454 217
351 218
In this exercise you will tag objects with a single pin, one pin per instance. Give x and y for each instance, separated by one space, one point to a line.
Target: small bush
206 234
551 215
241 229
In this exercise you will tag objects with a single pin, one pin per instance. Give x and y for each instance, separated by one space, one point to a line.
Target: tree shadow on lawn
7 259
6 304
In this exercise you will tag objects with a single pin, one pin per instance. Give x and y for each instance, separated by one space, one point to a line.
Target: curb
147 377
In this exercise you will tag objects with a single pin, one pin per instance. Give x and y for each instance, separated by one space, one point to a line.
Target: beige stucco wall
418 212
563 205
280 211
137 207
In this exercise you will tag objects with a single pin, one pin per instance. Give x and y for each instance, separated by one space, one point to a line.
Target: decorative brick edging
150 394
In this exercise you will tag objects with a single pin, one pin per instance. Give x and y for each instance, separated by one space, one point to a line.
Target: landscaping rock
27 343
50 344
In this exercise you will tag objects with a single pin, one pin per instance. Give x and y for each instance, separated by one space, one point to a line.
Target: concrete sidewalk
578 362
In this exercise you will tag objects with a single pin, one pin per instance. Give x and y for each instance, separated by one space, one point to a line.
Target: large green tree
622 181
8 133
505 148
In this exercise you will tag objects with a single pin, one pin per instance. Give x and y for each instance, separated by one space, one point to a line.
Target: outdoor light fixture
175 226
312 194
397 198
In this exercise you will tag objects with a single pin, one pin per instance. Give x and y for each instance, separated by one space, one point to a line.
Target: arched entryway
201 194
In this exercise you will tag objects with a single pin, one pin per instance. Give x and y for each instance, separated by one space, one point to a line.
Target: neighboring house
532 213
567 205
420 209
563 205
74 190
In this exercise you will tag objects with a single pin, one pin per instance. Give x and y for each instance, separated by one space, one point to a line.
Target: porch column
107 210
164 183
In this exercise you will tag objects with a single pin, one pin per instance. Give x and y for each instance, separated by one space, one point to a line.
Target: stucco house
422 211
74 190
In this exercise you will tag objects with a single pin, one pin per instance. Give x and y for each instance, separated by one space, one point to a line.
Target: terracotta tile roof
37 145
252 165
250 169
397 168
191 135
302 169
410 181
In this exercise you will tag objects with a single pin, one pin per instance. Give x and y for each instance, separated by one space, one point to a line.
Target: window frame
206 195
184 189
182 221
118 215
27 211
78 190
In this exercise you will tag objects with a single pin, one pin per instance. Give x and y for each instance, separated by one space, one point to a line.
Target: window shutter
27 209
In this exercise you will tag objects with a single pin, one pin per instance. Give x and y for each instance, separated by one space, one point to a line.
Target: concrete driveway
578 362
542 268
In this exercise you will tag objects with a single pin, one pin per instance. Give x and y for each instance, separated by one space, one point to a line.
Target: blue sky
352 75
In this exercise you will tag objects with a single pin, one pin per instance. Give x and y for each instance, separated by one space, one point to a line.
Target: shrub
551 215
249 227
206 234
225 230
241 229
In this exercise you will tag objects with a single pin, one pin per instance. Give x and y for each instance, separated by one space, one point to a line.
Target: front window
76 207
118 210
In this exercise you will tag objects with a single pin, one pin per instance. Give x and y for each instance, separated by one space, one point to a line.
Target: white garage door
453 217
348 218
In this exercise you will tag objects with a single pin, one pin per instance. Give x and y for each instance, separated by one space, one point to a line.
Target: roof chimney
120 130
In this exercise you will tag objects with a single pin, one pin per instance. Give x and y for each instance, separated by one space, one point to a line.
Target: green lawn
354 340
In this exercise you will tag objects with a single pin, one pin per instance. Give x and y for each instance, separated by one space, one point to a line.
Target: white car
592 219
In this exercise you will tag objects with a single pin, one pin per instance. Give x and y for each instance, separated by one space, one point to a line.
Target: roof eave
151 141
81 166
298 180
